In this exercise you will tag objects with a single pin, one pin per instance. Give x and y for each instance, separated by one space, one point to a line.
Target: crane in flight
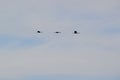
58 32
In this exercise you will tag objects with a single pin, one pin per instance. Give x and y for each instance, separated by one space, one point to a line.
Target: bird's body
38 31
57 32
75 32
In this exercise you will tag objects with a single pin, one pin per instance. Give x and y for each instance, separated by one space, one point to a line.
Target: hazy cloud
95 52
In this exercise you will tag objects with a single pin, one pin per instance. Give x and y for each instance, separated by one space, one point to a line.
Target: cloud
90 6
22 17
95 52
61 57
48 61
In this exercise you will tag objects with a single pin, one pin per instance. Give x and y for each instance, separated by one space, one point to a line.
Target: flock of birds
58 32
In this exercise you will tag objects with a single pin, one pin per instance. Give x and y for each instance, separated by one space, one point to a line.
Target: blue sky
92 55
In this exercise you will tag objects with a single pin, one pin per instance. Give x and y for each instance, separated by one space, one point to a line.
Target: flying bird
58 32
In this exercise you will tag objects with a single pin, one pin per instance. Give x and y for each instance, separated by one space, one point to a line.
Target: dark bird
75 32
39 32
57 32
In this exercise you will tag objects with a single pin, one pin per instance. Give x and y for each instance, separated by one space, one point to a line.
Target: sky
94 54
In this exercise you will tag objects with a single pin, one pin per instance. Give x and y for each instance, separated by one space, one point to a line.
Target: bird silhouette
39 32
57 32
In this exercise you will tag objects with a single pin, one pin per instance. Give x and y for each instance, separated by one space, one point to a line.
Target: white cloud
53 59
91 53
22 16
91 6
